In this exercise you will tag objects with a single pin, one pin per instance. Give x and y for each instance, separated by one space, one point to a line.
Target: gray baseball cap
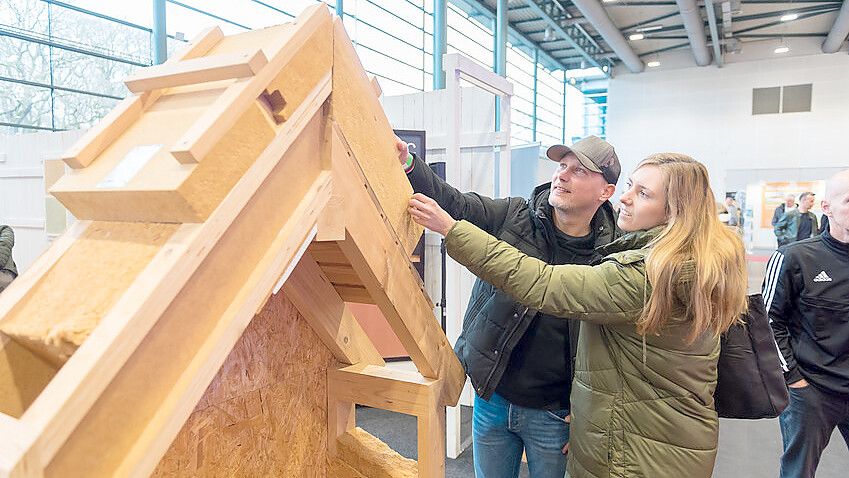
594 153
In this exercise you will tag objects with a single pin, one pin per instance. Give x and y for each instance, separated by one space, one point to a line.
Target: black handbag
750 382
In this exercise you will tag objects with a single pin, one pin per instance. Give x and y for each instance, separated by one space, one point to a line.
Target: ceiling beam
482 9
573 35
837 34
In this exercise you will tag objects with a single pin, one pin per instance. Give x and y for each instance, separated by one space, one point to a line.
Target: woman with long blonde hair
653 310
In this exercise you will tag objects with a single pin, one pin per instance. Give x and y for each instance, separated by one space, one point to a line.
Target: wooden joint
276 103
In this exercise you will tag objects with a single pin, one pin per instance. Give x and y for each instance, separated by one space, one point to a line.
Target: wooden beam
431 441
380 387
395 286
314 297
402 392
97 138
356 294
198 70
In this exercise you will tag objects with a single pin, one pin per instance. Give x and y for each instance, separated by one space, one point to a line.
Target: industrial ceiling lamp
654 62
782 48
549 34
789 17
636 36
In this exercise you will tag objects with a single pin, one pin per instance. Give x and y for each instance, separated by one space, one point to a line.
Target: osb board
165 190
23 375
159 363
362 120
265 412
362 455
304 70
62 309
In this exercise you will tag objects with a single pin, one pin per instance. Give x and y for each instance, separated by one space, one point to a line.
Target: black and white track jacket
806 293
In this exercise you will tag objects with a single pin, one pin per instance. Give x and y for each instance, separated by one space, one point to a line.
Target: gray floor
747 449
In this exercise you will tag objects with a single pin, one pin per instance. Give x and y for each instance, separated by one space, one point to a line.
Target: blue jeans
501 430
806 426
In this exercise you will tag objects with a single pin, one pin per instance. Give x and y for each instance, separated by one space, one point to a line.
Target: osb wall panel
265 412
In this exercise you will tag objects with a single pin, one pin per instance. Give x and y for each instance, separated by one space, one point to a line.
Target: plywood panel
265 412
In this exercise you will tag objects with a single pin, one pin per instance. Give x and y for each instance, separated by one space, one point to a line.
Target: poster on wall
775 192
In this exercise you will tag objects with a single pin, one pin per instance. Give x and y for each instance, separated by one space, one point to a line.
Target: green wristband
408 166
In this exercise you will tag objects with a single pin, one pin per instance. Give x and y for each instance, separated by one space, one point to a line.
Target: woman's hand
426 212
402 149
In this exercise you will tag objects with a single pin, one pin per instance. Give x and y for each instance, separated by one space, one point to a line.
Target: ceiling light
604 68
650 28
608 1
782 49
636 36
549 34
653 64
789 17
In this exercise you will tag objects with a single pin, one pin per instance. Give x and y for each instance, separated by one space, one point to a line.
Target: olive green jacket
7 242
642 406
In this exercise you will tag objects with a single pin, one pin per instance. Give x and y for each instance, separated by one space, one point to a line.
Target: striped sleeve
778 296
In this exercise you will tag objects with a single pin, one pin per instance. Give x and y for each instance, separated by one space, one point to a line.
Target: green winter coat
641 406
7 242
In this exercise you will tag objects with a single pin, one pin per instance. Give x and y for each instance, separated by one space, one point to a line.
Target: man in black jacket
806 293
520 361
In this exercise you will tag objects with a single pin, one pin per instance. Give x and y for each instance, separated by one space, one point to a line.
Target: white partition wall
24 203
461 131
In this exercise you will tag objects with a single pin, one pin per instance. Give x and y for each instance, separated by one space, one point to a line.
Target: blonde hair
693 235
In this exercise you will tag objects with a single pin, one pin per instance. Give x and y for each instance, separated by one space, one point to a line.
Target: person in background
733 212
652 312
788 204
519 360
806 294
823 223
797 224
8 269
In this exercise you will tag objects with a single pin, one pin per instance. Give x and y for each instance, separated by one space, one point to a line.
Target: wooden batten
199 70
107 130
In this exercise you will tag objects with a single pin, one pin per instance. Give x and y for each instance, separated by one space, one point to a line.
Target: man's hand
800 384
402 149
565 449
426 212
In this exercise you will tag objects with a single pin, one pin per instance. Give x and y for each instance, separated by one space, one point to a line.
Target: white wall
23 201
706 113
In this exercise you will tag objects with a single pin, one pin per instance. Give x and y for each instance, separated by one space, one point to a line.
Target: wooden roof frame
319 213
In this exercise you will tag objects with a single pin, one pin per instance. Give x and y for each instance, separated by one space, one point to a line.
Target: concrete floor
747 449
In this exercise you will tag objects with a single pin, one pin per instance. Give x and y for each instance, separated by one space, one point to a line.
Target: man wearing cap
520 361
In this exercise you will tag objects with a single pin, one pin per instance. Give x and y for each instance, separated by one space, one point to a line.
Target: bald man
806 291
